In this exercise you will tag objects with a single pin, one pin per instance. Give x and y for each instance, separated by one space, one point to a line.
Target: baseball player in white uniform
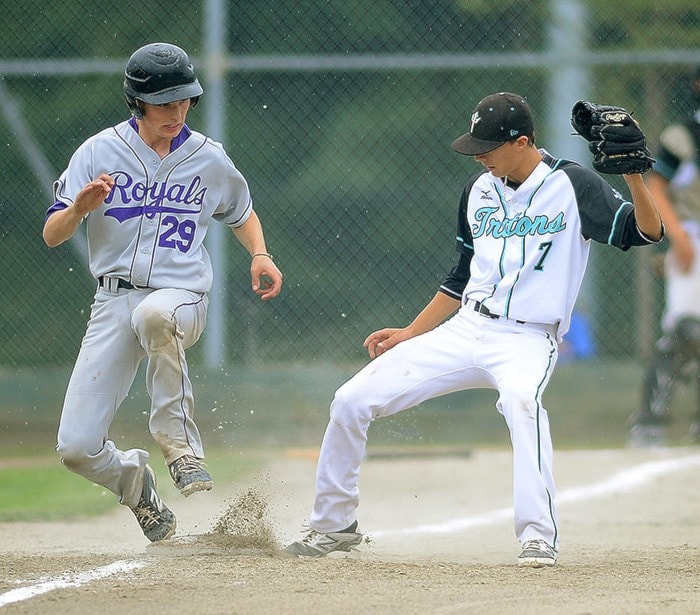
524 231
675 186
148 189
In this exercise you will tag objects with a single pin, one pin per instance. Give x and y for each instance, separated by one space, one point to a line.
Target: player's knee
518 405
348 408
154 327
147 319
74 453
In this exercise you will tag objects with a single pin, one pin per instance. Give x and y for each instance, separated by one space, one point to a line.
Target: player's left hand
265 277
615 139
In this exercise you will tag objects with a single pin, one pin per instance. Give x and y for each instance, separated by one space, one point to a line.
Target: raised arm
62 224
645 211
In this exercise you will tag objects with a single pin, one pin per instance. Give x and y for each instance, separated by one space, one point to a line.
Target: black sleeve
456 280
606 216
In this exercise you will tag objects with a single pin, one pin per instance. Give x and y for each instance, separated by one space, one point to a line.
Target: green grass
246 414
46 491
49 493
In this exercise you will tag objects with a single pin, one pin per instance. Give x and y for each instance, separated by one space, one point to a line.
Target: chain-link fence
340 115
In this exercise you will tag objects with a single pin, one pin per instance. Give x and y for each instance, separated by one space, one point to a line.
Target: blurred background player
674 184
148 189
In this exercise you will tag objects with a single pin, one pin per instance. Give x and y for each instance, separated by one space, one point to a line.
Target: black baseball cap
498 118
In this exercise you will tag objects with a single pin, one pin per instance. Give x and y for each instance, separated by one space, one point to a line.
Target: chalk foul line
625 480
68 580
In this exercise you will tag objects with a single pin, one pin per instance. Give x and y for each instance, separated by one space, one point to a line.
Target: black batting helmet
157 74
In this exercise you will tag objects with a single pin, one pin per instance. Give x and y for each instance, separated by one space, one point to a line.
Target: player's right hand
93 194
380 341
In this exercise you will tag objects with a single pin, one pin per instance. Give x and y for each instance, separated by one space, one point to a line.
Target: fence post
215 336
569 81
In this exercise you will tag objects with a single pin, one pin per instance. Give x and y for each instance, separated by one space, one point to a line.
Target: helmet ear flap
134 107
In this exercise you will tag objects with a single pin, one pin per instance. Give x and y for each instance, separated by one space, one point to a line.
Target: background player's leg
676 351
103 374
167 322
694 430
675 359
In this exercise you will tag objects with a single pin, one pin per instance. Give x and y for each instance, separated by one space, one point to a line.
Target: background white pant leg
432 364
682 288
167 322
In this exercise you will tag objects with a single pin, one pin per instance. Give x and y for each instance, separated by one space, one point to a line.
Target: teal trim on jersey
464 243
509 295
502 199
618 213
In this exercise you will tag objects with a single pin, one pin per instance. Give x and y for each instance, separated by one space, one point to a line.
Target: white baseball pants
682 287
466 352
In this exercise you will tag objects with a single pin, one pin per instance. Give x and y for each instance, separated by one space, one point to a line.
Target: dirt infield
439 540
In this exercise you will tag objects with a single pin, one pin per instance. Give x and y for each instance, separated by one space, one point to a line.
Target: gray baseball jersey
151 227
149 234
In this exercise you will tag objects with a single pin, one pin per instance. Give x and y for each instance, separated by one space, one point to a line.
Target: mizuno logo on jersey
519 225
159 197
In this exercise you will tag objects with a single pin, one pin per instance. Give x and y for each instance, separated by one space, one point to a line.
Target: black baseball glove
617 143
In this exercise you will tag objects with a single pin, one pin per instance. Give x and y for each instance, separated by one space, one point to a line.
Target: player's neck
160 144
529 163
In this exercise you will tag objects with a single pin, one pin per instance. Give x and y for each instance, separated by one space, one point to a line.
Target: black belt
120 283
482 309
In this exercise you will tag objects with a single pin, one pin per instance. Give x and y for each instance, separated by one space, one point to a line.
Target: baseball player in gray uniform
148 189
675 186
525 227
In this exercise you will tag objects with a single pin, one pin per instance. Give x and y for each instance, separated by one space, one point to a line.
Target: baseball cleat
156 520
318 544
537 554
189 475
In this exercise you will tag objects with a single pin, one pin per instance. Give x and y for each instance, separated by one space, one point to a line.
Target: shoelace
186 465
540 545
309 534
146 514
